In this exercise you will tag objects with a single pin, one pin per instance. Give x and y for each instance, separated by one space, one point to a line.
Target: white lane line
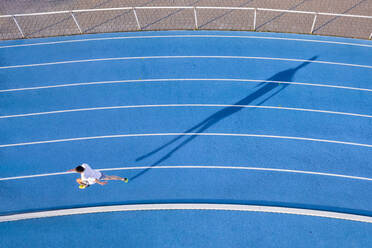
33 176
182 79
187 36
182 105
184 57
188 206
199 167
184 134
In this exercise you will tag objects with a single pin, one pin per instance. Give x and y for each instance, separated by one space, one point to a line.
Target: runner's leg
114 178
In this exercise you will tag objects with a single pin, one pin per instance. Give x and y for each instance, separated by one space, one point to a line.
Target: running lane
304 67
187 228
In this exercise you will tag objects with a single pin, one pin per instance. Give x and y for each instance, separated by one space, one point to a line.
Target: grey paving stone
171 19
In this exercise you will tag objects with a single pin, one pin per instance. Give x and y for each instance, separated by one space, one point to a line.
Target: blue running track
193 118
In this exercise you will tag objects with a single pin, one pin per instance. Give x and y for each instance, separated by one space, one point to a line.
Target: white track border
186 36
187 206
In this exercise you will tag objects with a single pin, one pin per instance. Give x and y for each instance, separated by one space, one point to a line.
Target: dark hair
79 168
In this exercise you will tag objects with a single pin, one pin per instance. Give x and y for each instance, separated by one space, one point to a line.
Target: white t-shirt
89 175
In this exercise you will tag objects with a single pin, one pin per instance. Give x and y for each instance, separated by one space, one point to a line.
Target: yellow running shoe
83 186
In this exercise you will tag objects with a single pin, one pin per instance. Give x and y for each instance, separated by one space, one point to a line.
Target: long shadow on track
266 89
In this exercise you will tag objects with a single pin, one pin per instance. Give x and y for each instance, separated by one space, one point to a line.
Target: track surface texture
229 139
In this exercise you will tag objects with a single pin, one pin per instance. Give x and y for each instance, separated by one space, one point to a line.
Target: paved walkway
165 19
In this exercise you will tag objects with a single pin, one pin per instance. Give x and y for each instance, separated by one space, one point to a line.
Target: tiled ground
165 19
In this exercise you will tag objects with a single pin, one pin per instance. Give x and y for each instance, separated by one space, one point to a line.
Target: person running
90 176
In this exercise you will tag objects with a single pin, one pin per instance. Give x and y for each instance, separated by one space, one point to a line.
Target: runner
90 176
